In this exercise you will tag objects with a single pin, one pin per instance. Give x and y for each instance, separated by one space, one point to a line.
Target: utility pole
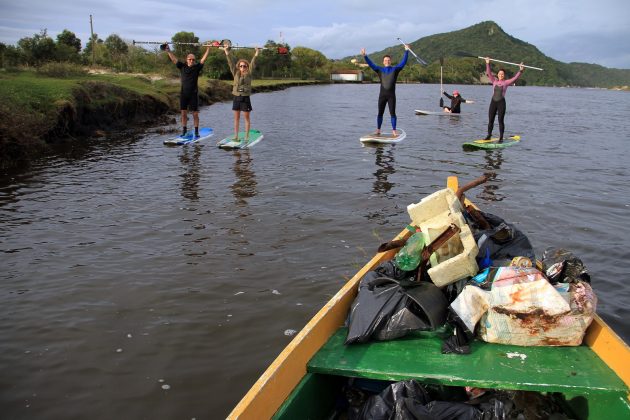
93 40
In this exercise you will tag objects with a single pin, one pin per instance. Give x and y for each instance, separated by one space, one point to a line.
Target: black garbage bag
410 400
502 242
459 342
446 410
386 308
561 266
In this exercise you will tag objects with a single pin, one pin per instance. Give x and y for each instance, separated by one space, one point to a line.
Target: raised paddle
465 54
441 88
217 44
418 59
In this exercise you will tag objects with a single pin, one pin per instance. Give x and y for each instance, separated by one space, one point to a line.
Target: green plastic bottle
409 257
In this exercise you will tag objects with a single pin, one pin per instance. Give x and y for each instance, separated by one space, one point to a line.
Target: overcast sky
579 30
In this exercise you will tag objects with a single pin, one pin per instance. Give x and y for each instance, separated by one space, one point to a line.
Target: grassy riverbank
40 110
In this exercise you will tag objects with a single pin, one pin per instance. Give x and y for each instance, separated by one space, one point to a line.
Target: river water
145 282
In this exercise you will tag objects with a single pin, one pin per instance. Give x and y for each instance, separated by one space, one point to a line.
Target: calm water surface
145 282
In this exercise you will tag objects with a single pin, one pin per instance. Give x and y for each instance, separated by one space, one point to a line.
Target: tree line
116 54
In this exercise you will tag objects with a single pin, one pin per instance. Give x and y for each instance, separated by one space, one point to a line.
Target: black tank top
498 93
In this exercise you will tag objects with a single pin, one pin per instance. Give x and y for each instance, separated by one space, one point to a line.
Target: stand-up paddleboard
492 143
204 133
384 137
422 112
229 143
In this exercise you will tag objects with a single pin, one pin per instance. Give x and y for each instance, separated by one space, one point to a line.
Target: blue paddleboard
204 133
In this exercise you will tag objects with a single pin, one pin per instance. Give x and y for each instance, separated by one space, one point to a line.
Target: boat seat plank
576 370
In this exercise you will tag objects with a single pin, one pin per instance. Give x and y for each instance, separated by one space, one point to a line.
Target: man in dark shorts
189 98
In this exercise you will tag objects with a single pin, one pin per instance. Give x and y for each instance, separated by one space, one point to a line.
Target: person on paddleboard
242 89
456 101
387 96
189 95
497 103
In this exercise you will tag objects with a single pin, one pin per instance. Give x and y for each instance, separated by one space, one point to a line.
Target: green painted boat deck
589 388
572 370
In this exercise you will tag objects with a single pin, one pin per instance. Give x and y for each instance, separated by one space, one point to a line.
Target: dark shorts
189 101
241 103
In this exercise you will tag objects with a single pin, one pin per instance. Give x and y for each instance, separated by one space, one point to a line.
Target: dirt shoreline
99 110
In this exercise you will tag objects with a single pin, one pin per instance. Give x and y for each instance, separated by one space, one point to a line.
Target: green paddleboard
493 143
229 143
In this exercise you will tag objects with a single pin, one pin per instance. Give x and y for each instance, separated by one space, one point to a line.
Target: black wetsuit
456 101
387 95
189 97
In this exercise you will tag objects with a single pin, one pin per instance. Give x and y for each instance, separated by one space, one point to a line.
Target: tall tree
70 39
37 49
94 43
307 62
67 47
182 50
117 49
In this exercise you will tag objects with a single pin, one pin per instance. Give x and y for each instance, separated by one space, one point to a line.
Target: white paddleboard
422 112
384 137
229 143
204 133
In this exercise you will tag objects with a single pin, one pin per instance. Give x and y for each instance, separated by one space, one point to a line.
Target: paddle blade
441 61
441 102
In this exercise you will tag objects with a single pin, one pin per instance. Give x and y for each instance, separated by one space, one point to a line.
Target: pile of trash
478 273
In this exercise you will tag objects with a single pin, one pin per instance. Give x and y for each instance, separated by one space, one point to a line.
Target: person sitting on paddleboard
189 95
242 89
388 76
456 101
497 104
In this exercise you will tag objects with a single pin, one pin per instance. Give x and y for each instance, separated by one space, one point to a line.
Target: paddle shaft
441 88
514 64
199 44
421 61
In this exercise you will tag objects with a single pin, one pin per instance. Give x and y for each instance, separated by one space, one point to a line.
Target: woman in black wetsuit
497 103
456 100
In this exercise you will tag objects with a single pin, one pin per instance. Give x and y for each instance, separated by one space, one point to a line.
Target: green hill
488 39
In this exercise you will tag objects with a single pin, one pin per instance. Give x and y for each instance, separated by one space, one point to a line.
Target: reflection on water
494 159
190 178
244 186
385 162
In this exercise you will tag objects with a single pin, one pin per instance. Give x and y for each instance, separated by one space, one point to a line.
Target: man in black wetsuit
388 76
189 98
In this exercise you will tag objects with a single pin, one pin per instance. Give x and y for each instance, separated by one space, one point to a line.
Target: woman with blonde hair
242 72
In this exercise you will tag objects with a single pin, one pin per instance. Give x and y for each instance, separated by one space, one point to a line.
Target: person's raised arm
205 55
229 59
405 57
517 75
251 64
488 71
368 61
170 54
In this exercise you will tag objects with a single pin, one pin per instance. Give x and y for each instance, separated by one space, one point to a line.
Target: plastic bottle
409 257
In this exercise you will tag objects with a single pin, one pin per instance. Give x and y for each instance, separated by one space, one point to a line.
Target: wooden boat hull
286 388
